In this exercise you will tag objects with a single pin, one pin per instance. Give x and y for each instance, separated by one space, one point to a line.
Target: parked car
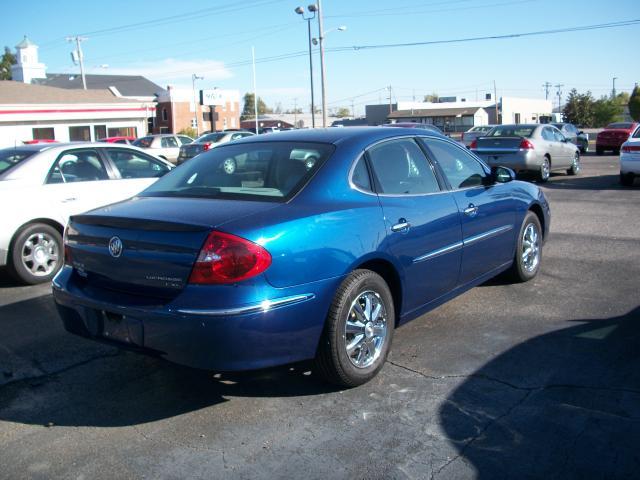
422 126
286 261
630 159
164 145
528 148
208 141
42 185
121 139
473 133
613 136
574 135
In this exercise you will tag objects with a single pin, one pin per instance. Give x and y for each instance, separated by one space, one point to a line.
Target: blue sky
214 38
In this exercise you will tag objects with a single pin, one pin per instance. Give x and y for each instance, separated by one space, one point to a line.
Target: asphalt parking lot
536 380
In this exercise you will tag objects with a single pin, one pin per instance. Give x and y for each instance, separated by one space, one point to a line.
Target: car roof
338 135
34 147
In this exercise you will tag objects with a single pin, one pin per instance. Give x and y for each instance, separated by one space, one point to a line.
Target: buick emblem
115 247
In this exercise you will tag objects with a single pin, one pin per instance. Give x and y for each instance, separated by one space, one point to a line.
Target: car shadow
600 182
50 377
561 405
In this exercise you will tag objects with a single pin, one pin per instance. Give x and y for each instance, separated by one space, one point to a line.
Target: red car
126 140
41 140
613 136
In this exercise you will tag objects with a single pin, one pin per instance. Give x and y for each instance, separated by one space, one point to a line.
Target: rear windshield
481 129
624 125
268 171
9 158
210 137
511 131
144 142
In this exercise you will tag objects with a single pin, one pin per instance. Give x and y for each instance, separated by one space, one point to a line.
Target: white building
33 112
27 67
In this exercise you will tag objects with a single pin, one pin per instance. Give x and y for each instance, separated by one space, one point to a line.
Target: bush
189 132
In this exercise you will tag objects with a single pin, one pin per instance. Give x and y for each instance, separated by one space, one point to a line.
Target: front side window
78 166
269 171
400 167
558 136
132 164
547 134
184 140
461 169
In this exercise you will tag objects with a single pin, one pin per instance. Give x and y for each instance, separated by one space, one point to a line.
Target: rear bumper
522 160
630 163
609 143
248 336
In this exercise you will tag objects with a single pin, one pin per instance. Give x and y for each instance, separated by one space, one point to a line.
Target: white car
41 185
630 159
163 145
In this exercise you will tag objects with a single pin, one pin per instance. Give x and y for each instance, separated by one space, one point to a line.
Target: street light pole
613 92
300 11
195 77
322 68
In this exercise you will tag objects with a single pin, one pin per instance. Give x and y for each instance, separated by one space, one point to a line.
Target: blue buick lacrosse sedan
310 244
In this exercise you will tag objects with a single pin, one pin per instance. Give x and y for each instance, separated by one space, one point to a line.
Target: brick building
175 111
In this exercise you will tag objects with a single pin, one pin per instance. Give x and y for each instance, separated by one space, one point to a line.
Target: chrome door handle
401 226
471 210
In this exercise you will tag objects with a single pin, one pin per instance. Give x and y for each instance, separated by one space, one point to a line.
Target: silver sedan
533 148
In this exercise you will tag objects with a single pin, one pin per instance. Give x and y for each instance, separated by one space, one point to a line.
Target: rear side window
360 177
78 166
132 164
270 171
400 168
169 142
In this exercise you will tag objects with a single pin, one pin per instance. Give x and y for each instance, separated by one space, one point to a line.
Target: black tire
626 179
599 151
519 272
575 165
332 362
43 242
545 170
616 151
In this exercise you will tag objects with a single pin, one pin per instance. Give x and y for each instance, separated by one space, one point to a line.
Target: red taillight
526 144
474 144
462 137
68 259
207 146
630 148
225 258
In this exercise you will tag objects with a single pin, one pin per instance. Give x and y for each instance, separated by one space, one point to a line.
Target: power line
624 23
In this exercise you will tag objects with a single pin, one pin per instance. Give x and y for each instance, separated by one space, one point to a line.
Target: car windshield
267 171
210 137
10 157
144 142
623 125
636 134
512 131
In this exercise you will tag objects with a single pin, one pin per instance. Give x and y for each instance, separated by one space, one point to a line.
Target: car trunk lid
132 248
497 145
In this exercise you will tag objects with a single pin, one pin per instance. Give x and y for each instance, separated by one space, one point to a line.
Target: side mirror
502 174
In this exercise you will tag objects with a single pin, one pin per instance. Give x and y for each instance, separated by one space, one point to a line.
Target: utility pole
195 77
353 109
495 99
295 113
390 105
559 93
80 55
546 86
255 93
613 91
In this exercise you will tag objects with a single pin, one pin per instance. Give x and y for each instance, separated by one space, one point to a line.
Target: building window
123 132
80 134
517 116
206 116
164 129
164 115
99 132
43 134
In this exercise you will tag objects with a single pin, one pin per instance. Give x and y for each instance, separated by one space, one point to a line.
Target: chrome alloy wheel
545 170
40 254
530 248
229 166
366 329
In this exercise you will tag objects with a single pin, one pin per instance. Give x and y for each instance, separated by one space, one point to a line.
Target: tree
7 60
189 132
634 104
249 111
343 112
579 108
433 98
605 111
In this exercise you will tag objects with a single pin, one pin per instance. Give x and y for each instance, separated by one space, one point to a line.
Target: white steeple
27 66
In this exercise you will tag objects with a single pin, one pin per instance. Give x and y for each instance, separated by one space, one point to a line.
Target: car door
485 209
170 148
565 150
421 219
135 171
551 145
78 181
